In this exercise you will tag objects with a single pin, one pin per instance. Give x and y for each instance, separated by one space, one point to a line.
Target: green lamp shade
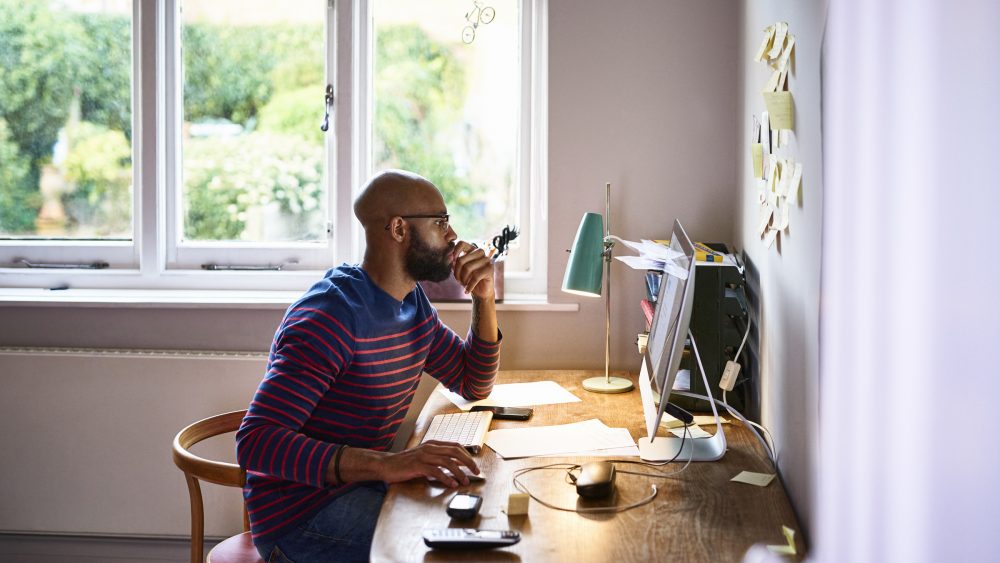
586 259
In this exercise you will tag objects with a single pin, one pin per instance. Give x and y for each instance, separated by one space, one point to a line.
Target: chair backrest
197 468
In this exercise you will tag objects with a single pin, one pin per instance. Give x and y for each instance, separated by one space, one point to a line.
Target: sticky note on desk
752 478
788 549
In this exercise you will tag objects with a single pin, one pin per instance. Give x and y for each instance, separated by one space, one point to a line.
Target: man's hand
425 460
474 270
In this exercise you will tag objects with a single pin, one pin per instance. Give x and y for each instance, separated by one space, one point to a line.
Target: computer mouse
596 480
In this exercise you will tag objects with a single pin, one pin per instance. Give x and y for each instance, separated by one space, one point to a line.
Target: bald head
396 192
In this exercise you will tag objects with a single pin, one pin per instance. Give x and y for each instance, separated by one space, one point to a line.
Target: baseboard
49 548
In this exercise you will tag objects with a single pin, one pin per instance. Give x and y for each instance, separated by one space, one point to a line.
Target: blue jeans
340 531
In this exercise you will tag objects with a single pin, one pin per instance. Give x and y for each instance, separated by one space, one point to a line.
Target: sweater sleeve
466 367
310 349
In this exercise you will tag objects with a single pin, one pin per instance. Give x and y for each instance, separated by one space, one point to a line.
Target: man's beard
424 263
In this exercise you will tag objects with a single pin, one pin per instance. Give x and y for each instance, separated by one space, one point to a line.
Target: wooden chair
238 548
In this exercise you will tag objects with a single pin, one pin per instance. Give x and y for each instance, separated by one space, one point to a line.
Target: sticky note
780 30
517 504
765 219
752 478
781 109
772 82
786 53
789 548
692 432
770 237
757 156
793 186
765 45
783 215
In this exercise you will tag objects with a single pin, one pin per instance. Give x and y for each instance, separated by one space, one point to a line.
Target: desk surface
698 515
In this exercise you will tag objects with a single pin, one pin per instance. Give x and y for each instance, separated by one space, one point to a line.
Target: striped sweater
343 368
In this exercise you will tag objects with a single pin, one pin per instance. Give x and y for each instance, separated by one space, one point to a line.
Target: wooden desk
699 515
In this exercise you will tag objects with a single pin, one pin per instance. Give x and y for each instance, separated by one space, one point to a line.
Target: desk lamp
592 245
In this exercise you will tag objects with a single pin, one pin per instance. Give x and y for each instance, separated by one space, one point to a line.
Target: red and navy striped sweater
343 368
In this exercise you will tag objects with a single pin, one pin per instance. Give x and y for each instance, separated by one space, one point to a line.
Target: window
178 144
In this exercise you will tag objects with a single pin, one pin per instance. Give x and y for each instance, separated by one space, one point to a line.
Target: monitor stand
663 448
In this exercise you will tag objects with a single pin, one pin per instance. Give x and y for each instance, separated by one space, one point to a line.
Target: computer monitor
661 361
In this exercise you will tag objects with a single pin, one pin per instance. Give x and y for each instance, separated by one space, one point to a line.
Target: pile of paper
653 256
588 438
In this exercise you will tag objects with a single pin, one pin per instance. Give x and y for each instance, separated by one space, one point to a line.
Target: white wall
909 314
785 279
642 94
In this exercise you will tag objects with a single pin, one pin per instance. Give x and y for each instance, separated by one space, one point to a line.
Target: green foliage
105 79
298 112
231 72
419 88
18 200
227 180
38 48
99 165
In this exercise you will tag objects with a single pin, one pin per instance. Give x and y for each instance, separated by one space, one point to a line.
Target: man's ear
397 229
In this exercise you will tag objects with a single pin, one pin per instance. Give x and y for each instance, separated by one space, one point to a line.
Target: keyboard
465 428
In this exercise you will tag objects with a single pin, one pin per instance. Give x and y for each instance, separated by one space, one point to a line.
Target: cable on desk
571 479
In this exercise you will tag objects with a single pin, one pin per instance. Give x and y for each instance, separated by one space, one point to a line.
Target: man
342 371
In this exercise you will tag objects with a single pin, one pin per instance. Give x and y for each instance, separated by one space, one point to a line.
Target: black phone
506 413
464 505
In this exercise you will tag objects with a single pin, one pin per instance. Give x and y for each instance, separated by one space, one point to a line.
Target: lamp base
606 385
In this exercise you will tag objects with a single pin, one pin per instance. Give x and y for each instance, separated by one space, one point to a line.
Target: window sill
220 299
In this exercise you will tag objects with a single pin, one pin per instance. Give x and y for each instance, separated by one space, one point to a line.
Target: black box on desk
719 320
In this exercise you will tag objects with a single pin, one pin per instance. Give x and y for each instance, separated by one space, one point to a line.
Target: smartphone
464 505
506 413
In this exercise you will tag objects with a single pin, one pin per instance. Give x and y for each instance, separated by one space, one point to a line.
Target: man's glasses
441 222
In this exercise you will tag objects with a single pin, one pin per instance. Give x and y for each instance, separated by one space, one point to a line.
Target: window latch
97 265
246 268
328 101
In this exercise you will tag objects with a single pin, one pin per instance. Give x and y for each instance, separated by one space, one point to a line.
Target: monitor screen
668 329
668 333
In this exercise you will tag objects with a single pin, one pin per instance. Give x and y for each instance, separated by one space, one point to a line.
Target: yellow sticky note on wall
780 109
757 156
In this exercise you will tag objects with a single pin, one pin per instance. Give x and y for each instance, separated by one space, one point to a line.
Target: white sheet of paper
609 452
752 478
644 263
652 249
564 439
517 395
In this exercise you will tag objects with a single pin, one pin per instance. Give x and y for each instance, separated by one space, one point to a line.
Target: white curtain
910 315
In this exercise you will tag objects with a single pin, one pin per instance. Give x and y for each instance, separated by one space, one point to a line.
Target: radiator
86 438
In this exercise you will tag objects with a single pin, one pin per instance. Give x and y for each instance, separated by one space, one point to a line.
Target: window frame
150 261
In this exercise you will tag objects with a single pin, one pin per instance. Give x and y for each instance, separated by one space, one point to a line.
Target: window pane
66 119
447 103
253 153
